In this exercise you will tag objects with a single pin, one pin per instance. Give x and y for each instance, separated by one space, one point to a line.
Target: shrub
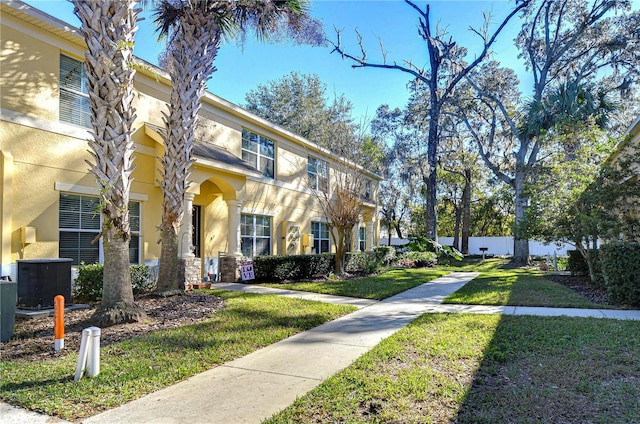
620 263
385 255
295 267
88 285
577 265
364 262
142 280
418 259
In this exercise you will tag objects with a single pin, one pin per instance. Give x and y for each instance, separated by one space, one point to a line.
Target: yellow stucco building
251 187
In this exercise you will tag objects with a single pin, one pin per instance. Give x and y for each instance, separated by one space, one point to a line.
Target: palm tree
109 27
195 29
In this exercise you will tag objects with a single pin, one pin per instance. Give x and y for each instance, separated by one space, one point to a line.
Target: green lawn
138 366
499 284
487 369
377 287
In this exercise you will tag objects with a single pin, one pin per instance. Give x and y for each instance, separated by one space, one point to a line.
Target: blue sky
241 69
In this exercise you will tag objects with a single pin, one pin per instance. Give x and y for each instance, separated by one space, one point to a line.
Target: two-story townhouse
252 183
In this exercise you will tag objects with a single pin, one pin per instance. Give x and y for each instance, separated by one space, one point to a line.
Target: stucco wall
49 157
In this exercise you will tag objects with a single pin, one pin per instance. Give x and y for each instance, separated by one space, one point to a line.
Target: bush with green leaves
424 244
361 262
88 285
385 255
294 267
577 265
620 264
418 259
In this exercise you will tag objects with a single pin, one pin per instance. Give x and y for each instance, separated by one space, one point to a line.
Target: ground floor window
321 241
362 239
80 223
256 235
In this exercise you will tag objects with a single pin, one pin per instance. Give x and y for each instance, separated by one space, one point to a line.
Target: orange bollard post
58 321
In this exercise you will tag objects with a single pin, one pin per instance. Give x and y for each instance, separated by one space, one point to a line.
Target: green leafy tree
570 43
445 69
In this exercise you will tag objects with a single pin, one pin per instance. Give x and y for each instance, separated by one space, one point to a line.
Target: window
362 239
367 189
80 223
256 235
318 172
259 151
321 243
134 224
74 97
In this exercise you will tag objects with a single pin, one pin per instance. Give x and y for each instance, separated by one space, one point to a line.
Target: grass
486 369
377 287
141 365
498 284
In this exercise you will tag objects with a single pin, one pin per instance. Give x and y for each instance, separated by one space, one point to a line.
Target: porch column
355 239
186 231
234 208
369 241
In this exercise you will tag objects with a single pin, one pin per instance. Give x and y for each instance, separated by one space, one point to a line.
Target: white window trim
66 89
90 191
325 222
254 236
259 154
316 174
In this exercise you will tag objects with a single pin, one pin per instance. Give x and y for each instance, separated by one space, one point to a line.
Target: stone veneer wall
189 271
230 269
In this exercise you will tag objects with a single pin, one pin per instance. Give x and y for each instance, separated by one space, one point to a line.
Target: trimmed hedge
88 285
294 267
621 270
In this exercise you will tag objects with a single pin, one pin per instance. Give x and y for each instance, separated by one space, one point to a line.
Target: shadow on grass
557 369
25 385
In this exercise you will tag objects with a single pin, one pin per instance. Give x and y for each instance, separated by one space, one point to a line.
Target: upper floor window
74 94
318 172
256 235
259 151
367 189
80 223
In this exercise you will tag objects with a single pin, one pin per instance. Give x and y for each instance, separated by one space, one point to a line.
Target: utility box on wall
307 243
40 280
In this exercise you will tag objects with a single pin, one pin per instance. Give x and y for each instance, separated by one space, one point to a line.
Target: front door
196 223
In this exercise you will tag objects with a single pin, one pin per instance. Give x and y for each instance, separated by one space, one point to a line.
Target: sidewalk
252 388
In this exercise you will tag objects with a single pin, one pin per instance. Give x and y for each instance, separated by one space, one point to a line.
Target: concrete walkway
252 388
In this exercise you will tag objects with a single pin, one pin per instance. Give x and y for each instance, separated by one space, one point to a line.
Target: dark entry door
196 226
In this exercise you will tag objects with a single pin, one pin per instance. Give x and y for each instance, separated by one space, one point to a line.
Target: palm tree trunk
109 28
192 53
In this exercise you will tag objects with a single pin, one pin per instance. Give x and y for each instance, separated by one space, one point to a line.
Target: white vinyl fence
495 245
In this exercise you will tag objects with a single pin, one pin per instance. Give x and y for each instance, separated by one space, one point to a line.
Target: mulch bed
581 285
33 338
